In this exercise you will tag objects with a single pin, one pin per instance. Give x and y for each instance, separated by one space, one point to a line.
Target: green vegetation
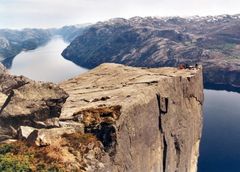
18 157
9 163
229 46
222 46
234 57
21 157
5 148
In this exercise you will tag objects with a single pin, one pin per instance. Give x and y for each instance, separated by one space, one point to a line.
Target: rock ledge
112 118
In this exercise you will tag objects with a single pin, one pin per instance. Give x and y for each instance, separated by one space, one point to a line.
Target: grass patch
234 57
18 157
5 148
223 47
10 162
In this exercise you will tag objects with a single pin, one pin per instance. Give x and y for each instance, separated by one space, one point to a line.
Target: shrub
10 163
5 148
18 157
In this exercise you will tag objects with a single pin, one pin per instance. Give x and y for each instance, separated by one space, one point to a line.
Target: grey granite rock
23 102
151 121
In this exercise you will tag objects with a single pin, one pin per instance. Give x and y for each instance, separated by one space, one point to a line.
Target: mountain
213 41
69 33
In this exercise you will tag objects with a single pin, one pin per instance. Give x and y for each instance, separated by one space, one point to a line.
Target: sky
17 14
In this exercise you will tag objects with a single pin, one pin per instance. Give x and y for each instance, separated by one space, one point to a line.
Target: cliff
116 118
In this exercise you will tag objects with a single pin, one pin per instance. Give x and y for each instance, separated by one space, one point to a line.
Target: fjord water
46 63
220 144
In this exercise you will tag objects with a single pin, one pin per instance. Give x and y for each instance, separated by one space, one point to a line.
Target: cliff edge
147 119
116 118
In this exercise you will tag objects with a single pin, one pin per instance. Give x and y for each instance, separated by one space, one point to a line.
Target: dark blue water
220 144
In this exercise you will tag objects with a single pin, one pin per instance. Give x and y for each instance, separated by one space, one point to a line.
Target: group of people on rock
187 66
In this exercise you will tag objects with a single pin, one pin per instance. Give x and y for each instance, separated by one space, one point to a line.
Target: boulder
25 131
2 69
23 102
3 98
45 137
48 123
79 127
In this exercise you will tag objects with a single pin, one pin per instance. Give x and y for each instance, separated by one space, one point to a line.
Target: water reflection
46 63
220 144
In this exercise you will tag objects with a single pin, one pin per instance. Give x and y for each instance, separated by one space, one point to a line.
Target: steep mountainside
113 118
153 42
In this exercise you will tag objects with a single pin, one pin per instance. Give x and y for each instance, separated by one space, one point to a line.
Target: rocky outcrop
212 41
26 102
116 118
2 69
146 119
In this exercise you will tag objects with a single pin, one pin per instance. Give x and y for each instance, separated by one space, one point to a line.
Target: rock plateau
112 118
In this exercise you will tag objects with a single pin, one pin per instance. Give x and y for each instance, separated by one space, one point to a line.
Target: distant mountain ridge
69 33
213 41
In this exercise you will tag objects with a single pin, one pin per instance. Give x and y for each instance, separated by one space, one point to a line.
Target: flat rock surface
111 84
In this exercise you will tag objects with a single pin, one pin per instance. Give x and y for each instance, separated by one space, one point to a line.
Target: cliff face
116 118
147 119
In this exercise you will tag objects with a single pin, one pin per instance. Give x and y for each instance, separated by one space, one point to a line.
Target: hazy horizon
18 14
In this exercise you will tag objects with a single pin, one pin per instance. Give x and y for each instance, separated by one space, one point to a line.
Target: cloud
55 13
